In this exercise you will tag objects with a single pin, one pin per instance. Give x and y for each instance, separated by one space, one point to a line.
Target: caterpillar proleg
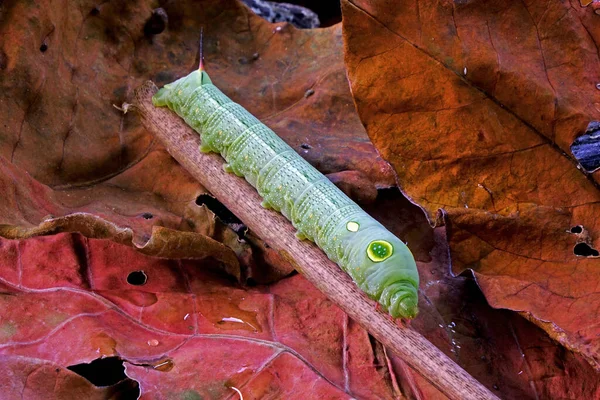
380 263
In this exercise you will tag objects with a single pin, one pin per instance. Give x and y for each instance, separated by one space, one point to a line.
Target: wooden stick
243 200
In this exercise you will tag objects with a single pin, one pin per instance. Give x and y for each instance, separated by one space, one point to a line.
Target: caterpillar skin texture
380 264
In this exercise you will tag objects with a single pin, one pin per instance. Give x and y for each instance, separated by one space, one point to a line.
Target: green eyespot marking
379 250
352 226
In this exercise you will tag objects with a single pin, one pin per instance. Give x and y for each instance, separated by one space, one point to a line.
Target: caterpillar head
385 269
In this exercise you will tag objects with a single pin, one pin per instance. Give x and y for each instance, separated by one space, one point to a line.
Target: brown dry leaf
28 200
64 69
476 104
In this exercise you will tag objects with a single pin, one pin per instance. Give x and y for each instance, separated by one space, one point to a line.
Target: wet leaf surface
476 106
184 319
182 326
31 378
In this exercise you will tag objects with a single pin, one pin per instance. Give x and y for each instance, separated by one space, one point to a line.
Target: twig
243 200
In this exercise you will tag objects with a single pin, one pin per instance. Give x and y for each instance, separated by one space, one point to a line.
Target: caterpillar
379 263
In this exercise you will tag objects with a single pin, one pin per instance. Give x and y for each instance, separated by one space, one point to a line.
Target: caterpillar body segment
380 263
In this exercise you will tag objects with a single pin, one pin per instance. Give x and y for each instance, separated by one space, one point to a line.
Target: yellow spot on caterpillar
352 226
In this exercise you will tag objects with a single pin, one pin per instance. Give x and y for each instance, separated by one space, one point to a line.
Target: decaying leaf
476 105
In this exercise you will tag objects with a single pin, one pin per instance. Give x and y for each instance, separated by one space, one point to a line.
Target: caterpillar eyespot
380 250
319 211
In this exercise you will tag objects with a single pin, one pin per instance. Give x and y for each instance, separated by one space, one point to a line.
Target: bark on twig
243 200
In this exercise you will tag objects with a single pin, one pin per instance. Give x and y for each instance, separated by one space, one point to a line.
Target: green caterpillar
380 264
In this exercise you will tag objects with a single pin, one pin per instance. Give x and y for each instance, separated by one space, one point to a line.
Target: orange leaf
476 106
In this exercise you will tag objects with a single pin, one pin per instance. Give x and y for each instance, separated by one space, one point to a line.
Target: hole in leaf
586 148
109 372
577 229
137 278
226 216
43 47
585 250
298 15
95 11
218 208
251 282
147 215
157 22
101 371
306 146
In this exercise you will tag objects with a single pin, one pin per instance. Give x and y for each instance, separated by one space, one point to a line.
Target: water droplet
232 319
164 365
153 342
231 316
241 322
